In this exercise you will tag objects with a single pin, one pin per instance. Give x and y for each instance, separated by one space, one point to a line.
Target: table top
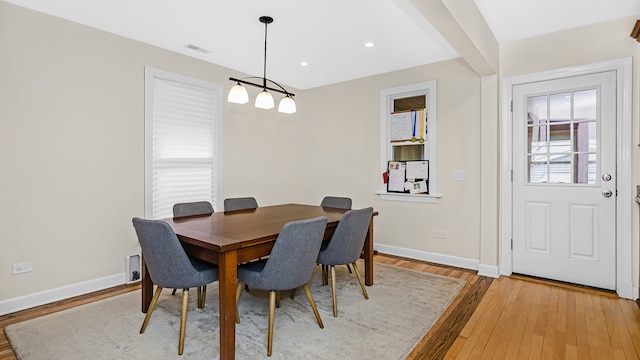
224 231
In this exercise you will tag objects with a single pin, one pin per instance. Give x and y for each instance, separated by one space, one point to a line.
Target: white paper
401 126
396 176
418 170
418 187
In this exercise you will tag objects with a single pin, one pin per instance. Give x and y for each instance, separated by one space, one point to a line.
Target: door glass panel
562 137
560 169
560 107
560 141
584 105
538 169
537 109
537 139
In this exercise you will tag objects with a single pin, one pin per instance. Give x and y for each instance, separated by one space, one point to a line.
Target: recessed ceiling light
304 63
369 44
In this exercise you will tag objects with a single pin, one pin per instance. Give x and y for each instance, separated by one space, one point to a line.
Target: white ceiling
328 34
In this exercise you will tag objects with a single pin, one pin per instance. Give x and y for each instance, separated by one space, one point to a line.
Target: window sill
423 198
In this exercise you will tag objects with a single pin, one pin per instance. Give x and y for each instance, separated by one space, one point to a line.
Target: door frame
624 137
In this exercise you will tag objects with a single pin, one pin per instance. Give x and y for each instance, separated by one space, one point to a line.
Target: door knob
607 193
606 177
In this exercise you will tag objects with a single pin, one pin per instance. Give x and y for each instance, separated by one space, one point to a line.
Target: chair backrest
347 241
336 202
294 255
168 264
241 203
192 208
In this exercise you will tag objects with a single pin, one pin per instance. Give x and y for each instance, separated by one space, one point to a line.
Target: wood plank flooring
505 318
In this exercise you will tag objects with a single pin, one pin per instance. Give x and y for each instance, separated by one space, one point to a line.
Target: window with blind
183 141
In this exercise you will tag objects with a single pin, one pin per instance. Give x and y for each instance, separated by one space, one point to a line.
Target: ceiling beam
461 24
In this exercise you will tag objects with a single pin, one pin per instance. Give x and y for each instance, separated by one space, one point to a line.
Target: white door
564 179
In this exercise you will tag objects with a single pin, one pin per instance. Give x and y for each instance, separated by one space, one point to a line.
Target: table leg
368 255
147 286
227 270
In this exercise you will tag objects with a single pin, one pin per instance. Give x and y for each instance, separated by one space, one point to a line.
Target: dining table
231 238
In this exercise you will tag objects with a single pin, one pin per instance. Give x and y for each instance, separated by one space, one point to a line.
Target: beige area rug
402 306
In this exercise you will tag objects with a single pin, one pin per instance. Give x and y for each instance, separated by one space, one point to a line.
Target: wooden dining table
231 238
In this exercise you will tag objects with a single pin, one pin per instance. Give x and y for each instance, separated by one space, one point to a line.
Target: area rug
402 306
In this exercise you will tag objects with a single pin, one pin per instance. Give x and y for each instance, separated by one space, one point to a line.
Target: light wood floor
506 318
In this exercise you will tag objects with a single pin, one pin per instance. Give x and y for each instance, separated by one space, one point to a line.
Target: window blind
182 135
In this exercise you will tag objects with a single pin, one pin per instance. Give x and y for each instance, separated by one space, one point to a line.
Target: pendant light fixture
238 93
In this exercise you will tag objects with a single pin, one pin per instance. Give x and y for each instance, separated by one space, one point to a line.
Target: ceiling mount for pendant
238 93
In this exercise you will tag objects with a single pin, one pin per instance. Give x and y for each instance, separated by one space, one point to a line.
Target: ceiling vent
197 48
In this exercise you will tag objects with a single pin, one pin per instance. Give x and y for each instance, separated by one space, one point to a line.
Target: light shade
287 105
264 100
238 94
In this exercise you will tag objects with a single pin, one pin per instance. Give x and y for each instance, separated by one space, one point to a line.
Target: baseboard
489 270
45 297
428 256
626 290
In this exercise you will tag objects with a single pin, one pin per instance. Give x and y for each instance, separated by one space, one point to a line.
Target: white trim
151 73
431 199
489 270
61 293
625 199
464 263
429 89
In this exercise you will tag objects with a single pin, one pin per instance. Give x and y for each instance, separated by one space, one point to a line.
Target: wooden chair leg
364 290
278 299
334 297
293 294
152 306
183 319
200 296
325 275
349 268
272 310
313 305
173 292
238 293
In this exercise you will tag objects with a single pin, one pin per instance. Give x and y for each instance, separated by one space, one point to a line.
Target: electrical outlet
440 234
22 268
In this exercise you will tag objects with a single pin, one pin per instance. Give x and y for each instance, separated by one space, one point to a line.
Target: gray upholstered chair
340 203
192 208
241 203
170 267
289 265
345 247
336 202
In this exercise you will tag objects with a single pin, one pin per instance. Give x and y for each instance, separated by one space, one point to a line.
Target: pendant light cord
264 81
